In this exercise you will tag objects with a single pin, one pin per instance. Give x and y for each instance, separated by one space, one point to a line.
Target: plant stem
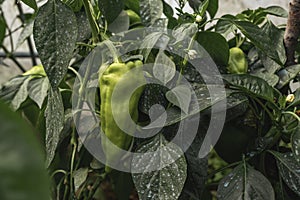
264 107
74 144
186 57
92 21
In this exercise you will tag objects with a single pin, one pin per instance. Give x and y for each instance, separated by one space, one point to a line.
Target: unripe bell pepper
237 61
133 17
113 75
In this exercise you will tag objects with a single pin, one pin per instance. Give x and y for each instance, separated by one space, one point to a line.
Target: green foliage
257 155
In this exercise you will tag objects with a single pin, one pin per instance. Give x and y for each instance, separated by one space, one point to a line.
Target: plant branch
292 31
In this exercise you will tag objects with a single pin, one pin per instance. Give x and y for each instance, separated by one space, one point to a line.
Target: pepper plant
87 44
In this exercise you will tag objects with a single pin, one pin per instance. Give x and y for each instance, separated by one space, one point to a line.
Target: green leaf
268 39
271 79
184 31
203 7
276 11
180 96
153 94
295 141
21 95
2 28
26 33
213 7
167 9
245 183
237 105
75 5
55 34
203 102
9 89
149 42
164 68
296 100
196 168
31 3
289 170
276 36
54 123
111 9
133 5
84 30
216 45
168 12
150 10
224 25
120 24
164 172
80 177
287 74
38 90
22 172
270 65
251 85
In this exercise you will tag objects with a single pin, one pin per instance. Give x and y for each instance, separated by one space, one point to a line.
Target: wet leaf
153 94
204 101
54 123
196 169
251 85
296 143
55 34
111 9
150 10
164 170
245 183
289 170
